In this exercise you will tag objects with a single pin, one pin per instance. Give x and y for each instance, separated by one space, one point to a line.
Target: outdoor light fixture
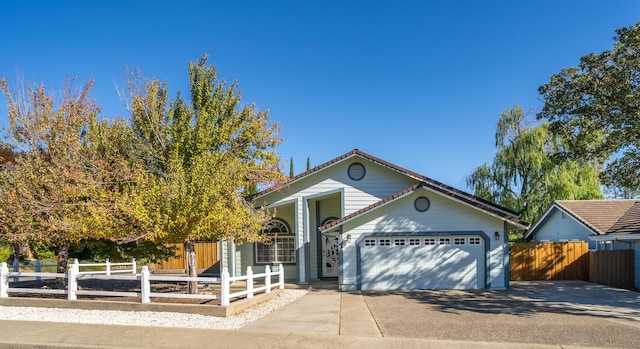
497 235
348 238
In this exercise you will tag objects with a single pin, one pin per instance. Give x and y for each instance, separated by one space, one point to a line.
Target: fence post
224 287
16 269
77 264
38 269
145 286
4 280
134 268
249 282
72 282
281 276
108 266
267 279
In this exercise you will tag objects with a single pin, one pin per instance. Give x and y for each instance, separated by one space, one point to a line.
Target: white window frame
279 245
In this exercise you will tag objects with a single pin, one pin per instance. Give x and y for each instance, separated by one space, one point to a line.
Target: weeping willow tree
524 177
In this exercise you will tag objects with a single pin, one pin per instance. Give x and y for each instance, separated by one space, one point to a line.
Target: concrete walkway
333 312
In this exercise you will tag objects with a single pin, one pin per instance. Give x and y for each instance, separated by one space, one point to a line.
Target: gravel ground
148 318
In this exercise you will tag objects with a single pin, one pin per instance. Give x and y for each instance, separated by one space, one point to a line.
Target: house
604 224
578 220
371 225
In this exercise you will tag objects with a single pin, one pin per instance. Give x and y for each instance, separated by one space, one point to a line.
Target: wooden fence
549 261
613 268
207 259
571 261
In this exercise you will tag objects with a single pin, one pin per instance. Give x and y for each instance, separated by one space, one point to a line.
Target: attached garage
422 261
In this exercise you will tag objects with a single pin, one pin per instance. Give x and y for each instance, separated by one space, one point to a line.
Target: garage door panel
422 267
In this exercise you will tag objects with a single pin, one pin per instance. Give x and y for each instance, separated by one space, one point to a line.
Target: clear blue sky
418 83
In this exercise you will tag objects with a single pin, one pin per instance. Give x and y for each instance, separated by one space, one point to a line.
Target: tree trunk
190 256
63 262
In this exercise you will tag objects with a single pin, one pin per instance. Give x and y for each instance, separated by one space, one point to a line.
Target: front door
330 254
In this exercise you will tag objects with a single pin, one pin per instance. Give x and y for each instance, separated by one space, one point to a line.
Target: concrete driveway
559 313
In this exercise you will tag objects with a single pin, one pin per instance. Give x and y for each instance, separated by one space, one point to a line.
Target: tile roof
441 187
605 216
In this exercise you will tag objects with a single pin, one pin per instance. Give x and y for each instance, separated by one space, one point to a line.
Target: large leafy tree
523 176
59 190
595 109
197 160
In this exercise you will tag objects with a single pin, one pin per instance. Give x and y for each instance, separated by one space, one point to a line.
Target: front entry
330 254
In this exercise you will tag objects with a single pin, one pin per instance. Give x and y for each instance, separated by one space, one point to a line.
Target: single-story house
578 220
371 225
604 224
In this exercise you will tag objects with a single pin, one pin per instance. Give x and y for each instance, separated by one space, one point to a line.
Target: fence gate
612 268
549 261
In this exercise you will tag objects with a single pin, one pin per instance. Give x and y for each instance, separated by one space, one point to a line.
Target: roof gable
438 186
600 216
493 209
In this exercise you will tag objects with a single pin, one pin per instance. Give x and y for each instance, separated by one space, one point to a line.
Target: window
474 241
279 245
385 242
414 242
429 241
369 242
444 241
399 242
458 241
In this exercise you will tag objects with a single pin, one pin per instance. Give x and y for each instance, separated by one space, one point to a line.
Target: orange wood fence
549 261
571 261
207 258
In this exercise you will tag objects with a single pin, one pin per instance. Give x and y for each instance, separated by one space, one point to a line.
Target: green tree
291 172
523 177
59 190
198 160
595 109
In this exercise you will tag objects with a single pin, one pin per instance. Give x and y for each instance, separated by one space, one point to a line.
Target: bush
5 253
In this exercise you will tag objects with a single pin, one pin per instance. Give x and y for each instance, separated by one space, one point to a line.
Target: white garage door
422 262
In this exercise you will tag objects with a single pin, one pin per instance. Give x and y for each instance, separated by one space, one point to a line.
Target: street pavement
528 315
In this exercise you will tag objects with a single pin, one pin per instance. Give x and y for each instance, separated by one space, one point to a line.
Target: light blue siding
560 226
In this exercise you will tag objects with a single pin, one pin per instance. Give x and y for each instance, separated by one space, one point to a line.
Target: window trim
289 238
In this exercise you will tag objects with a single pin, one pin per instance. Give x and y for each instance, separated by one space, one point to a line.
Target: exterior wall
333 184
444 215
561 226
245 253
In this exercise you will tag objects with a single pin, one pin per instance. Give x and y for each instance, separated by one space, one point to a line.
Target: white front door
330 255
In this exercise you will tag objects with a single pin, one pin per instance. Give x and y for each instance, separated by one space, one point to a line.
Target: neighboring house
372 225
604 224
578 220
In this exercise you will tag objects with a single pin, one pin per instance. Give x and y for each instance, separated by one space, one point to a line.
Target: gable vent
356 171
422 204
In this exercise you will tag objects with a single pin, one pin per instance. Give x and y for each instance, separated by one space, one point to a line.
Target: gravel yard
144 318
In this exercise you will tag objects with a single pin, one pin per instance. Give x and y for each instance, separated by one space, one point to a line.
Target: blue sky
418 83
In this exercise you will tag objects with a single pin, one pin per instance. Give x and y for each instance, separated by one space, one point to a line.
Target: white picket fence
144 277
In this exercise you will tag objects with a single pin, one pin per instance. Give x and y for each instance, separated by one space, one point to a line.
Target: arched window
279 245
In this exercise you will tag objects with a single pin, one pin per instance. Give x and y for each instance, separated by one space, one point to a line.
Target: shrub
5 253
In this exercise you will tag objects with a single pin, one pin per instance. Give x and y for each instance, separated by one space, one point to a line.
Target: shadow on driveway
544 312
